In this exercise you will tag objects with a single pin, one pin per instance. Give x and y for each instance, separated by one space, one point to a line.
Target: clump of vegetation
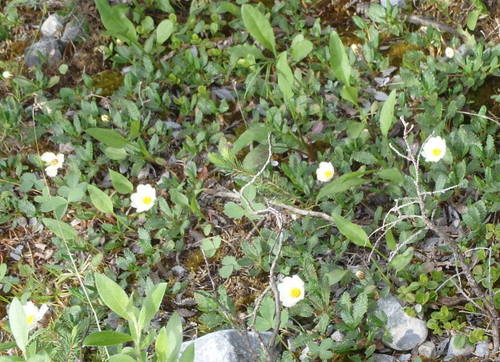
245 164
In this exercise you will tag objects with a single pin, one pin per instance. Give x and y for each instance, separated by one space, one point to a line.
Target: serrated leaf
387 113
353 232
100 199
258 26
60 229
109 137
360 307
120 182
106 338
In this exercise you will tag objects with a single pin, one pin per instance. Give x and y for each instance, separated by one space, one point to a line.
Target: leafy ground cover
184 158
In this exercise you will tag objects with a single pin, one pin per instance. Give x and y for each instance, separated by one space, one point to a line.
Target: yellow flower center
436 152
54 162
146 200
30 319
295 292
328 173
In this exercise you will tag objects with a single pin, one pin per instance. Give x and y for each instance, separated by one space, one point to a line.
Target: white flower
54 162
325 171
144 198
34 314
7 75
434 149
449 52
105 118
291 290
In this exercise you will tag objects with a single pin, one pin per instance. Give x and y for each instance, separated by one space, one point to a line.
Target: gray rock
406 332
453 351
72 31
482 349
52 26
48 48
383 358
394 3
404 357
427 350
228 345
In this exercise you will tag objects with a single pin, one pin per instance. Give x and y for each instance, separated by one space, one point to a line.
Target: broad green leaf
472 19
57 204
360 307
233 210
400 261
349 94
112 295
106 338
115 21
256 133
300 48
258 26
343 183
60 229
120 182
151 304
210 245
285 76
335 276
100 199
339 60
121 357
188 354
116 154
256 158
387 113
109 137
18 324
353 232
164 30
173 333
391 174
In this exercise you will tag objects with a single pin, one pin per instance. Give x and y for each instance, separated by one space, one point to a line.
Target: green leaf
335 276
100 199
256 158
121 357
339 60
164 30
151 304
18 325
349 94
57 204
400 261
257 133
300 48
60 229
343 183
258 26
112 295
387 113
210 245
188 354
120 182
360 307
472 19
116 154
115 21
173 338
391 174
233 210
106 338
3 270
109 137
353 232
285 76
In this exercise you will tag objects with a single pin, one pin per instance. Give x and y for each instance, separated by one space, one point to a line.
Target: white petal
51 171
60 159
48 157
